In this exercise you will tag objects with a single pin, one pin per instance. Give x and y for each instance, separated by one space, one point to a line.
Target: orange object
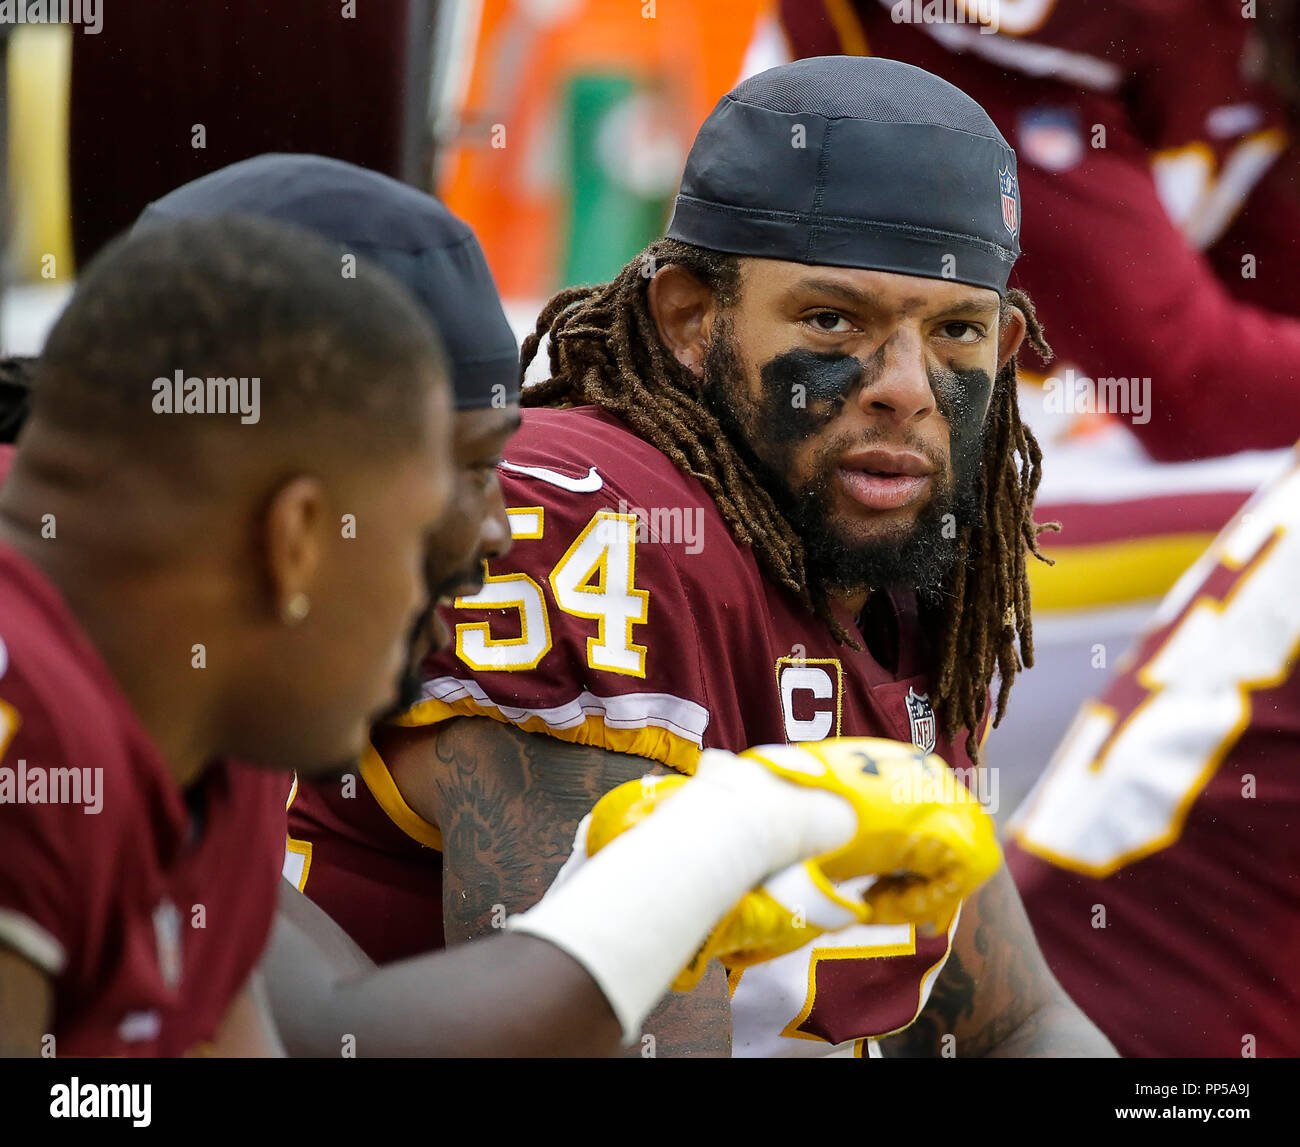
506 173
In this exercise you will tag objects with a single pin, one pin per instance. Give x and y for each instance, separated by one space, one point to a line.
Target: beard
767 434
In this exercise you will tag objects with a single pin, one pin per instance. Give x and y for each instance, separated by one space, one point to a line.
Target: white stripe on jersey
622 711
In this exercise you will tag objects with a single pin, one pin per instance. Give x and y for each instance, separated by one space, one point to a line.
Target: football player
776 488
183 588
1157 855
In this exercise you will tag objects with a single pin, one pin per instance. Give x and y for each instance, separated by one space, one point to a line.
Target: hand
920 833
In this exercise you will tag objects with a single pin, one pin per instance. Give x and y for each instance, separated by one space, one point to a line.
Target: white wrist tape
635 913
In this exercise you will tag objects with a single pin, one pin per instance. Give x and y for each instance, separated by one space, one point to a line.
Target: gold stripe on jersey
650 741
384 789
848 28
9 724
1113 573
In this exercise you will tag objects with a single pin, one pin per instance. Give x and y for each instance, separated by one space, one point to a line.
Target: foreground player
1157 856
762 439
176 592
437 258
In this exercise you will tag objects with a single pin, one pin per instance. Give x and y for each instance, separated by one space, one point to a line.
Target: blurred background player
1157 856
1157 159
678 577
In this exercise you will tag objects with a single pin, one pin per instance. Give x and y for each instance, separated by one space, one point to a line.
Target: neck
140 620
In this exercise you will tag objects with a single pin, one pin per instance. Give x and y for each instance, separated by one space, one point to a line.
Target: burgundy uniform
627 617
148 913
1158 855
1161 228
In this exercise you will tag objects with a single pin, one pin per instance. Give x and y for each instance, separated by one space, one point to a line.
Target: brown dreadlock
605 351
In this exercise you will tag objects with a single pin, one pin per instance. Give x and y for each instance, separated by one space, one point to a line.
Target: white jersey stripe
684 718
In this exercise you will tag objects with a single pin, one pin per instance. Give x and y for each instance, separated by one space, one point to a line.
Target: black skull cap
854 161
410 234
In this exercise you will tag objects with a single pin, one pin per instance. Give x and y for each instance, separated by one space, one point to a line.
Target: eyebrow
971 305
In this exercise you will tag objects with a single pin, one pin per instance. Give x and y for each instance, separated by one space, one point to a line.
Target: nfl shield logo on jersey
1007 182
167 934
920 716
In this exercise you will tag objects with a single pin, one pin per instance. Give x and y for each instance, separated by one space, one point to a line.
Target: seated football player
775 489
174 573
1156 856
436 256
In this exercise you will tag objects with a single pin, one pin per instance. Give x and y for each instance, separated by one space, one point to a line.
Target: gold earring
296 609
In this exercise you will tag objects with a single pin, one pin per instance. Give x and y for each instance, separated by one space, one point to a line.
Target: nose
900 392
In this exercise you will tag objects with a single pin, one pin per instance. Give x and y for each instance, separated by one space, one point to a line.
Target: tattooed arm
508 804
996 995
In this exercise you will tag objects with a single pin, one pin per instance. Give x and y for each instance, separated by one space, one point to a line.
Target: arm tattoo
508 804
996 996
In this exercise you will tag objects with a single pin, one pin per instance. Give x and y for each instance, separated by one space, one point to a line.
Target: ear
1011 333
293 530
684 310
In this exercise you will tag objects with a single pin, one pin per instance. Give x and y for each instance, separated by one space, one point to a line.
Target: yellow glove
924 837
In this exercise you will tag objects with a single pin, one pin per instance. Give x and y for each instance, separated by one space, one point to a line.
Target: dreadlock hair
605 351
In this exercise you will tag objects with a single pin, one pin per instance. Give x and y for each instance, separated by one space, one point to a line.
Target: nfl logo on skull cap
920 717
1007 182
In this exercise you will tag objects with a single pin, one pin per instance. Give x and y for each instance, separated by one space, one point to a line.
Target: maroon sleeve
1122 292
41 912
1268 228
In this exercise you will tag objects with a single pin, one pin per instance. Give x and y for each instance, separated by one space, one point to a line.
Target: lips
885 479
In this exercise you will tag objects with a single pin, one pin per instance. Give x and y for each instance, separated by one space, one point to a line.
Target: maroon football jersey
1158 857
1160 228
148 917
626 616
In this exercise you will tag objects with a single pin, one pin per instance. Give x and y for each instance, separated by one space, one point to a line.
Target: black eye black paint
798 384
963 398
803 392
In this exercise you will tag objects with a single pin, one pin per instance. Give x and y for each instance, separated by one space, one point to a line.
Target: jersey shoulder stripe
660 726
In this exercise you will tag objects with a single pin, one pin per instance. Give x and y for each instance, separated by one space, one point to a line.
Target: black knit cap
410 234
854 161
